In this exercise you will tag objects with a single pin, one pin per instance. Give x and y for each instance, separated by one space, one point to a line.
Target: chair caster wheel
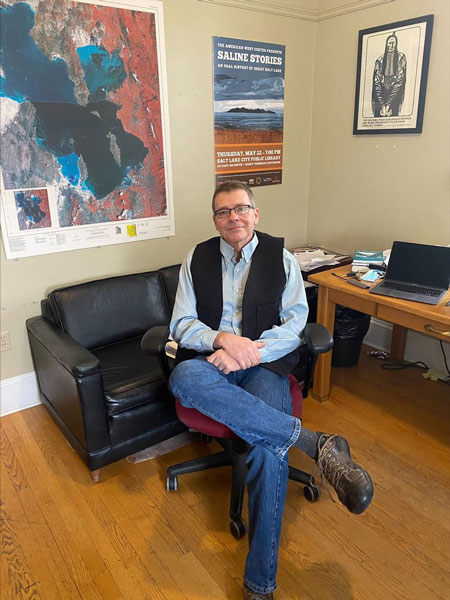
172 483
238 528
311 493
205 438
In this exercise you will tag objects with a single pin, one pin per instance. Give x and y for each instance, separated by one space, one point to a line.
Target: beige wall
367 190
189 27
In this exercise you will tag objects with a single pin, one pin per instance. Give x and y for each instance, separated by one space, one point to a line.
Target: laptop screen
420 264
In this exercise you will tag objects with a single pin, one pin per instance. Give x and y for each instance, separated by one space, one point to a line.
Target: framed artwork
85 157
391 79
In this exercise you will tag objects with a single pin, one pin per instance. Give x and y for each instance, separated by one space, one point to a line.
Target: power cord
445 358
391 366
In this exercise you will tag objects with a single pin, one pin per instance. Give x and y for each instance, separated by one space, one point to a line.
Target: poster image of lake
248 121
248 110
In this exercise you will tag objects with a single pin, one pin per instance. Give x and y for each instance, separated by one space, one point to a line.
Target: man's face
391 44
237 230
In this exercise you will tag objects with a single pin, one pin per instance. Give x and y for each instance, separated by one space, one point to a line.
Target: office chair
235 450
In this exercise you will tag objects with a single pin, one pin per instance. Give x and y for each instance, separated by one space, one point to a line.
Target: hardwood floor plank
18 576
31 511
78 549
195 580
140 532
33 540
42 498
184 521
386 564
9 497
142 505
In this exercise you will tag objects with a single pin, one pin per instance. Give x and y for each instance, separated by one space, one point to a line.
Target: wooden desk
404 314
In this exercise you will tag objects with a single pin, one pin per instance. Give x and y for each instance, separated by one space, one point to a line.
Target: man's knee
270 387
189 374
182 371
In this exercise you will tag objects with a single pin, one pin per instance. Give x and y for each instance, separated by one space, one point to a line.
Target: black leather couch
107 397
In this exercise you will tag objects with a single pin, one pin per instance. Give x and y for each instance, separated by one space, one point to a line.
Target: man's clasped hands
234 352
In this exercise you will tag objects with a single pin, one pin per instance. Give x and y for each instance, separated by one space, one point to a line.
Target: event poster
248 111
84 155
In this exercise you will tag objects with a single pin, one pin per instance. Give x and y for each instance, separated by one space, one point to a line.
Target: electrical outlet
5 343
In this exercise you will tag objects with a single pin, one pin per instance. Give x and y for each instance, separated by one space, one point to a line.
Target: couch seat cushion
130 378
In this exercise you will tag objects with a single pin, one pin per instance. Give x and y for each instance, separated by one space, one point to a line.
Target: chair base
235 455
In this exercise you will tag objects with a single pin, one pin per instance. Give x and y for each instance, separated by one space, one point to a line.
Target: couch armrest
317 338
64 349
71 386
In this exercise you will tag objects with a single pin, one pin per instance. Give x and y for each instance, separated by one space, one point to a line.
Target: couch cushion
101 312
130 378
158 418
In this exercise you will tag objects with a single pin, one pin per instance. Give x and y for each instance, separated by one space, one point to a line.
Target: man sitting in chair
239 312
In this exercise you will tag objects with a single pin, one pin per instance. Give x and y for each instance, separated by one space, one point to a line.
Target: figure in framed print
391 78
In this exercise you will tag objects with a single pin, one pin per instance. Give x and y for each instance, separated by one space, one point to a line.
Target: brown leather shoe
352 483
251 595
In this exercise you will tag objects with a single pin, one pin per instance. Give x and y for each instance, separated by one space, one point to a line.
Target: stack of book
364 258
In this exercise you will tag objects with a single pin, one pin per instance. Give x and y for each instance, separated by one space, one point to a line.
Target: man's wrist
264 354
217 343
208 340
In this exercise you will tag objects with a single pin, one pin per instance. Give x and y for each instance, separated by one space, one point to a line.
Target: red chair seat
196 420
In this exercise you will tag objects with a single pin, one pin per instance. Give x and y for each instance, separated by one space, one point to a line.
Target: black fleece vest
262 296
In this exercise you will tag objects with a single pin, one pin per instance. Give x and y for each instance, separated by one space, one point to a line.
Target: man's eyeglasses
224 213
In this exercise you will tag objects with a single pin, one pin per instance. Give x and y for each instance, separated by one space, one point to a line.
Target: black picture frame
391 77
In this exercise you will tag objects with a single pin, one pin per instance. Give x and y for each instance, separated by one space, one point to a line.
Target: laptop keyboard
414 289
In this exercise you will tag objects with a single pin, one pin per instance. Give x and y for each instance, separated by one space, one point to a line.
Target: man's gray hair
231 186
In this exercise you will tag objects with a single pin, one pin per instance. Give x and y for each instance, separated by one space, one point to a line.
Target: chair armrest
317 338
155 340
70 354
154 343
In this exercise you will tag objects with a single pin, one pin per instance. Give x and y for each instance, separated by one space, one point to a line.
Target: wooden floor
126 537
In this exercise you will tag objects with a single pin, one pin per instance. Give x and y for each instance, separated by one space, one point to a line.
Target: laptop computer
418 272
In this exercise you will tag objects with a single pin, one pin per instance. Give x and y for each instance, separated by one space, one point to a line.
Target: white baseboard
419 347
21 392
18 393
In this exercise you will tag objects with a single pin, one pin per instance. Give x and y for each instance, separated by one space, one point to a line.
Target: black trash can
350 327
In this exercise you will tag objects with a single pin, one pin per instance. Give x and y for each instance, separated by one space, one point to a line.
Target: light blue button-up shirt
188 331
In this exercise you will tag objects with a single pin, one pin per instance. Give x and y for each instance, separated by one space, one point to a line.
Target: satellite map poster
85 155
248 110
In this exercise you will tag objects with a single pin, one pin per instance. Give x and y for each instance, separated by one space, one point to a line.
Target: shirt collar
228 252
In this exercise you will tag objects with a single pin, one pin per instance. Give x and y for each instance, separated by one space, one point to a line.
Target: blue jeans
256 405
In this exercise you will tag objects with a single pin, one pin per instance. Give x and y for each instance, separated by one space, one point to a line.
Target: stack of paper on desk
312 259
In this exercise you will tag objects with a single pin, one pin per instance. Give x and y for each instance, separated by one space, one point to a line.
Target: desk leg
398 342
325 316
